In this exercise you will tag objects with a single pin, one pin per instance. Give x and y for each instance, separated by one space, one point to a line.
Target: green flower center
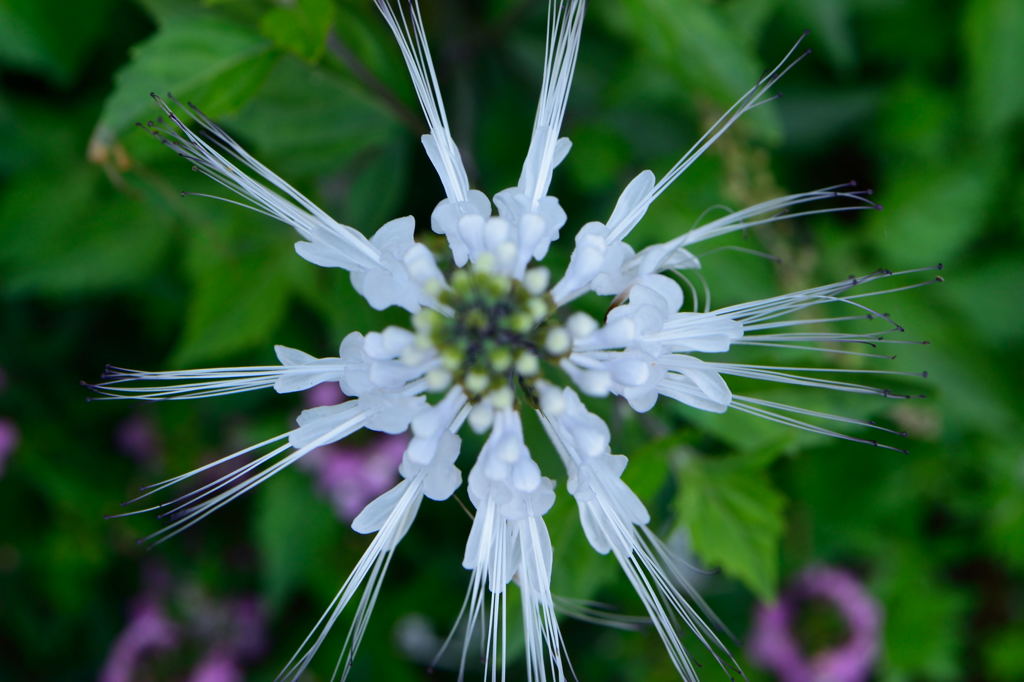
496 332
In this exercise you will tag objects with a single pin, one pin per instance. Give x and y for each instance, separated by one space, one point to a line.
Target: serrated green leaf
994 34
215 62
735 518
300 27
69 232
242 279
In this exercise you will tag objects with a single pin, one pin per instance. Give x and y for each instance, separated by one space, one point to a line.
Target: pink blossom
226 633
774 644
352 476
328 393
218 666
149 631
138 438
9 437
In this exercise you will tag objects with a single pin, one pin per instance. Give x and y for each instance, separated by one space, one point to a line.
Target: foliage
102 261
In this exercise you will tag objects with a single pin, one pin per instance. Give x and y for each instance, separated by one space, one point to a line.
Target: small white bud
438 379
527 364
581 325
537 308
485 263
552 402
413 354
558 341
476 382
433 287
481 417
502 398
536 280
452 359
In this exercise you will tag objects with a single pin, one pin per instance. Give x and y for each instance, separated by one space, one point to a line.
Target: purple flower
137 437
218 666
226 634
9 437
776 643
9 433
328 393
351 477
149 631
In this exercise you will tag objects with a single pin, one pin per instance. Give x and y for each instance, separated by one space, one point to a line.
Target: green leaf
976 294
829 23
931 215
693 40
735 518
242 278
162 11
71 233
1004 502
290 532
1004 655
300 27
50 37
307 122
216 63
921 609
994 34
379 186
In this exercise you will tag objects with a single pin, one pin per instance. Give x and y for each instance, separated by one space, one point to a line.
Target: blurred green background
101 260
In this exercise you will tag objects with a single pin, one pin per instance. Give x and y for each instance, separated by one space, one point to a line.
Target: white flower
486 342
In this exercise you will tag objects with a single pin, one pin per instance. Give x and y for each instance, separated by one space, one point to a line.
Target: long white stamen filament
195 505
597 613
743 404
293 208
750 100
189 512
412 41
653 581
771 211
777 209
370 569
193 383
773 405
751 372
776 306
646 348
564 29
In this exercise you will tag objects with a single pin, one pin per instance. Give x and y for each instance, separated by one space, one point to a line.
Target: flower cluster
775 643
223 635
495 341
